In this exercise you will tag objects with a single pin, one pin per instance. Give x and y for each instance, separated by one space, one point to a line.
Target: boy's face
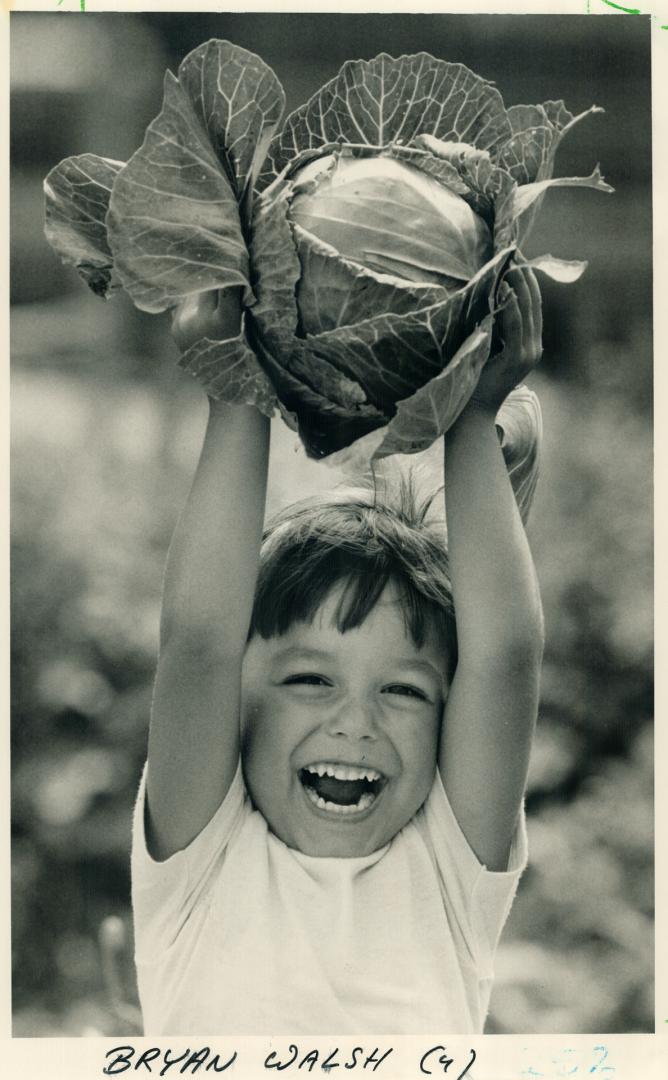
340 731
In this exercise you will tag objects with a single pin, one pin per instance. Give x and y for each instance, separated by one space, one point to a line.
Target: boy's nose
355 720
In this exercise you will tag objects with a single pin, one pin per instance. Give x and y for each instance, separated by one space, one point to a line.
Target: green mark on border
82 4
628 11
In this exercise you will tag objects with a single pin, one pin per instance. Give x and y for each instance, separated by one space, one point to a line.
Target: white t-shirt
240 934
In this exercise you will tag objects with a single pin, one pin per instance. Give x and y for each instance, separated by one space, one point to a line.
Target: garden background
105 434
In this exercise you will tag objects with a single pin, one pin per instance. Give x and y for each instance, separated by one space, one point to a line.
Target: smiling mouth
341 789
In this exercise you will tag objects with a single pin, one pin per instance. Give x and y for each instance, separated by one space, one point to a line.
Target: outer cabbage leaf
529 158
178 207
77 193
525 196
239 102
275 264
529 153
388 100
536 132
229 371
431 410
561 117
173 217
565 271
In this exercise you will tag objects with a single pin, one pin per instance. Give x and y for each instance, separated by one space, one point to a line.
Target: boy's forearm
213 558
497 601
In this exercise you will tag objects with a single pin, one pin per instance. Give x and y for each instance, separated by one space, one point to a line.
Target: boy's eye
406 690
306 679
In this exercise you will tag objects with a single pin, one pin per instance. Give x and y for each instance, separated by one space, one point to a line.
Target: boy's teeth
364 802
343 772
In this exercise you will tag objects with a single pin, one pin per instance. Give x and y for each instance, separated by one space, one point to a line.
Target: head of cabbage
368 232
388 216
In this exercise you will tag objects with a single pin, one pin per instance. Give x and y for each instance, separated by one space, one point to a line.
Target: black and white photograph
331 581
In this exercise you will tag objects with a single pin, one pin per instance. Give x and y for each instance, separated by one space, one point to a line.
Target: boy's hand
215 315
519 327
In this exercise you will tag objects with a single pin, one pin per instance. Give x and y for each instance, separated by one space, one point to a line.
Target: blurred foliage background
105 437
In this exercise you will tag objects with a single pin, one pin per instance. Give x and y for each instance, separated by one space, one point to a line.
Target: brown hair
349 538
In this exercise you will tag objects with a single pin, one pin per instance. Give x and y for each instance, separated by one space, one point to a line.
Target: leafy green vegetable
77 199
369 232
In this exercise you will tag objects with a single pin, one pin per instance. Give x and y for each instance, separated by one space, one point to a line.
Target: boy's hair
348 538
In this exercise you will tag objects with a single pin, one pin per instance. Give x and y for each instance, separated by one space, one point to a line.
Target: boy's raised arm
207 601
491 708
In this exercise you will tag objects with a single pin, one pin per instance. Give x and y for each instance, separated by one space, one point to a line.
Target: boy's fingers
525 286
510 323
536 308
521 290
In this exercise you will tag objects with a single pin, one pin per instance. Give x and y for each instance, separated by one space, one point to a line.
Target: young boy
330 832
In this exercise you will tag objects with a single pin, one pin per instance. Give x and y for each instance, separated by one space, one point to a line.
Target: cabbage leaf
229 370
77 199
